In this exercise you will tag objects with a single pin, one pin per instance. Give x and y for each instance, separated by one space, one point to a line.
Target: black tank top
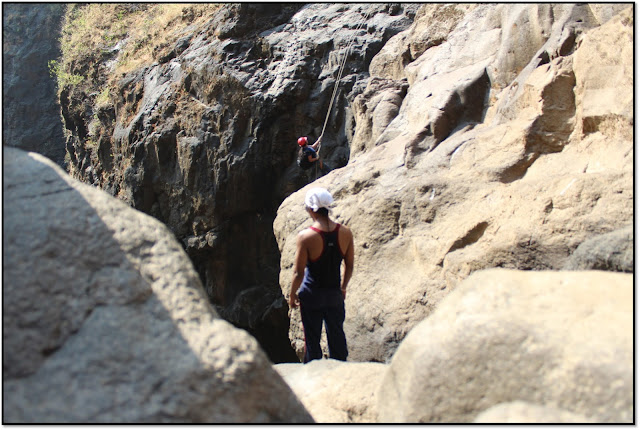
324 272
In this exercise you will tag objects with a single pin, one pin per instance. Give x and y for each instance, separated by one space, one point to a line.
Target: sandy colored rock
562 339
334 391
604 72
431 27
526 413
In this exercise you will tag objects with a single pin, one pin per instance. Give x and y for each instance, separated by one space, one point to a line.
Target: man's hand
316 143
293 300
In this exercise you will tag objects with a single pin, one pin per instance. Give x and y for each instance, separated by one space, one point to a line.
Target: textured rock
493 159
526 413
335 392
375 109
30 111
105 320
432 26
612 251
562 339
603 76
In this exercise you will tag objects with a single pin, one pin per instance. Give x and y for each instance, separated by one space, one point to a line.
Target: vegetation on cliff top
124 36
100 43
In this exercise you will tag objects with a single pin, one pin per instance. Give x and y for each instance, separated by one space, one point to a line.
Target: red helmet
302 141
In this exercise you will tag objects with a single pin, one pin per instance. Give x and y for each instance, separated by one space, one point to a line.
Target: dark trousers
333 318
315 171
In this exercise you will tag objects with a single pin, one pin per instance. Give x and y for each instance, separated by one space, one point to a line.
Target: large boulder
105 320
559 339
334 391
483 157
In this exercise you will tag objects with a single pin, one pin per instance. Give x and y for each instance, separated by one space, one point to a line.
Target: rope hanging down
340 71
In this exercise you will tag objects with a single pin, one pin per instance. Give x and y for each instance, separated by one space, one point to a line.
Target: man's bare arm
298 270
348 264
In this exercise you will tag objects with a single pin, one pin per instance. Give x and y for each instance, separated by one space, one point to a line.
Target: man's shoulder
346 232
306 233
345 228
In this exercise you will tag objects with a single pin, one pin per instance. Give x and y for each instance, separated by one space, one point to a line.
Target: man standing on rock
321 248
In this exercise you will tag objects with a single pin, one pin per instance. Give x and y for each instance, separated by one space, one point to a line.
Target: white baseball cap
317 198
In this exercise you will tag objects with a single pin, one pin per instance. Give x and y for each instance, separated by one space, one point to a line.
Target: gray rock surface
106 321
30 109
611 251
559 339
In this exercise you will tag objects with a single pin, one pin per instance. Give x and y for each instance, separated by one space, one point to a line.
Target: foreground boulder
559 339
334 391
106 321
526 413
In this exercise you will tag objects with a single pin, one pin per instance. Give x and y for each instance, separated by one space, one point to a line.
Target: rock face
106 321
559 339
335 392
30 111
204 139
506 141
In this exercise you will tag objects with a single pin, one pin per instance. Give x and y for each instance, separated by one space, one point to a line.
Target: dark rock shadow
30 110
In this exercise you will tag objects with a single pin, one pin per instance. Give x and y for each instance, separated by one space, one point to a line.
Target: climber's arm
316 144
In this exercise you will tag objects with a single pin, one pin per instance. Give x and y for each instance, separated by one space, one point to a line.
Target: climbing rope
340 71
339 77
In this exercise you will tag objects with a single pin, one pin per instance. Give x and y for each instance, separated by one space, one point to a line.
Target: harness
303 157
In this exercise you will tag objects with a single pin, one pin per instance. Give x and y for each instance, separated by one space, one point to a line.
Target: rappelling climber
308 155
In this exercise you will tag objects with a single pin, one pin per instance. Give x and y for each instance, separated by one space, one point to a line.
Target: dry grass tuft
101 42
131 32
